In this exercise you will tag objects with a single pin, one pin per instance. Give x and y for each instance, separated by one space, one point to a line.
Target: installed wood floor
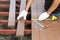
52 32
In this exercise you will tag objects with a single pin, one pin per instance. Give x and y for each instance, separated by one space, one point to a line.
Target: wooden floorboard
43 34
56 26
8 1
21 23
6 22
11 18
7 6
52 32
35 27
7 13
35 31
9 31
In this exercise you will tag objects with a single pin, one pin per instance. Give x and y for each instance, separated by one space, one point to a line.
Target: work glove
22 14
43 16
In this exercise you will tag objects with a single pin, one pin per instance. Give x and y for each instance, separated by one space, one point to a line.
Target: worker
51 6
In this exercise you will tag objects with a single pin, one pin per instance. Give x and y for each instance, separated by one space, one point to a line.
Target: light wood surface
11 18
38 33
21 22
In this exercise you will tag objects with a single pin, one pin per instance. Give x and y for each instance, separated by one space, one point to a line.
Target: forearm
28 4
53 6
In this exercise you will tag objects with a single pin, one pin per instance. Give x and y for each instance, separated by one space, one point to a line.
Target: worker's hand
43 16
22 14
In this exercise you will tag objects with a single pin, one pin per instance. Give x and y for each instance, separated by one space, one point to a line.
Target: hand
43 16
22 14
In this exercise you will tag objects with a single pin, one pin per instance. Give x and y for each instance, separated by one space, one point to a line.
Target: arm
53 6
28 4
46 14
25 11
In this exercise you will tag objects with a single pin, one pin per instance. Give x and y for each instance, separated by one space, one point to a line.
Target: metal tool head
37 22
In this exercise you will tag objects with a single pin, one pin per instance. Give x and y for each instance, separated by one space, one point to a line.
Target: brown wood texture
35 27
21 23
5 31
50 33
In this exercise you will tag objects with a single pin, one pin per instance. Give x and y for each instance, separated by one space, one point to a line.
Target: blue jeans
55 14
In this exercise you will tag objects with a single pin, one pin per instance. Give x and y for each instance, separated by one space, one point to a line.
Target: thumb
19 17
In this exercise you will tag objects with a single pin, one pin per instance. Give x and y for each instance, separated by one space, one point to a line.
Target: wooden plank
7 14
4 0
51 34
35 31
4 6
40 6
4 14
20 28
6 22
21 22
7 6
8 0
35 27
11 18
56 26
43 32
34 9
5 31
48 33
3 22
